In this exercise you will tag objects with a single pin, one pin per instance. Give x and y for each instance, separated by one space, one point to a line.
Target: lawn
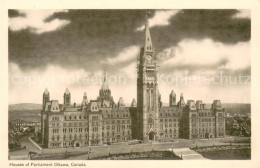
237 154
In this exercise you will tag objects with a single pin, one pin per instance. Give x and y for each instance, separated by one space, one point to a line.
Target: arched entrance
151 136
77 144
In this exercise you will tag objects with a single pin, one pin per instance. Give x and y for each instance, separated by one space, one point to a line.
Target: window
220 115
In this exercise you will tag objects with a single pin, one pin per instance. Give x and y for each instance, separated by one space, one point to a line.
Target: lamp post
89 152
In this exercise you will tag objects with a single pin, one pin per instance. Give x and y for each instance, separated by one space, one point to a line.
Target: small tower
133 104
147 90
181 103
45 98
67 97
172 98
85 100
121 102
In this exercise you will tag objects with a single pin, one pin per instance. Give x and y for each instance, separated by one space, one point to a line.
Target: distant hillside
25 111
32 112
236 108
24 106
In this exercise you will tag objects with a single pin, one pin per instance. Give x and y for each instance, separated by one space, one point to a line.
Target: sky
204 54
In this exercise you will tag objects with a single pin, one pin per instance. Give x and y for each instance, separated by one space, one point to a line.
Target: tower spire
105 83
148 46
105 76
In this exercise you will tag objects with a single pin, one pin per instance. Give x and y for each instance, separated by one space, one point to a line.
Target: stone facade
103 121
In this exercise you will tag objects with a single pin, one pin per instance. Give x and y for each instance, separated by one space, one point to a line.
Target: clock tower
147 91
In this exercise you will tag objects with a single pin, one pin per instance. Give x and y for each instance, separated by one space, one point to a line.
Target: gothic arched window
150 121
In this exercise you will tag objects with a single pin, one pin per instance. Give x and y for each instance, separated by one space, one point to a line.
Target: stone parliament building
103 121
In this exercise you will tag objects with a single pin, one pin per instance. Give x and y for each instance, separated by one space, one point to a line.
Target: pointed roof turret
121 102
85 95
46 91
181 102
105 83
67 91
148 46
173 93
85 99
133 104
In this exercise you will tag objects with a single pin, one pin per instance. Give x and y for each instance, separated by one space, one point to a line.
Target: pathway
187 154
23 154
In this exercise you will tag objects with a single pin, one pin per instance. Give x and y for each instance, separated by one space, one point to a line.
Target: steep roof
121 102
67 91
172 92
46 91
105 83
134 103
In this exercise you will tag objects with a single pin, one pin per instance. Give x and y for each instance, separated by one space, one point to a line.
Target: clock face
149 58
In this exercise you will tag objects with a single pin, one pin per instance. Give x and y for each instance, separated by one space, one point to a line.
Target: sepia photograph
129 84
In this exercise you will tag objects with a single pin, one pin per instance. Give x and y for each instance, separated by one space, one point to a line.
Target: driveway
23 154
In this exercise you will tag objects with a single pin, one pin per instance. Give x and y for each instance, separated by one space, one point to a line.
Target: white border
136 4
